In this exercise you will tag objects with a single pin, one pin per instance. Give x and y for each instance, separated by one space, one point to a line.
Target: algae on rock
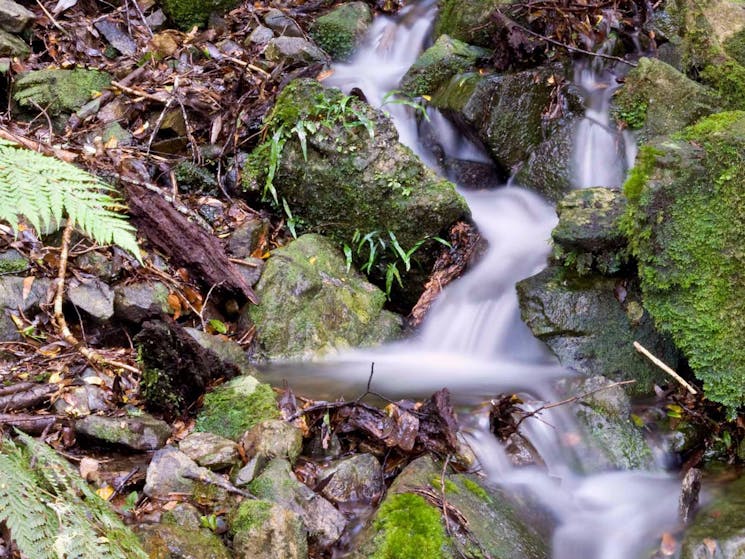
340 31
686 228
311 305
188 13
58 91
468 21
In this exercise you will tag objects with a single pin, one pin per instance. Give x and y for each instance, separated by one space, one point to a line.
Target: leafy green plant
372 248
51 512
398 97
43 190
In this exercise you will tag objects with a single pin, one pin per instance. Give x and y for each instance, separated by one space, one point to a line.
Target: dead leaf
28 283
89 468
669 544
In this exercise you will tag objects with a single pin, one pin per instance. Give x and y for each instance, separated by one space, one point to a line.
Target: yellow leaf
55 378
105 492
95 381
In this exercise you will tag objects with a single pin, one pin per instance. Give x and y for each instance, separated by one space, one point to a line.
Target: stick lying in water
644 351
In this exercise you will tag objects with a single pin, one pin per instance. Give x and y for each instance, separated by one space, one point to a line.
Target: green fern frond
43 190
51 511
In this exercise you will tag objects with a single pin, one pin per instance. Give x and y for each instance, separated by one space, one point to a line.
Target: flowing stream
473 340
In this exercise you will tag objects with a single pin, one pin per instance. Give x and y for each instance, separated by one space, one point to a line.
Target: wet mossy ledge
686 228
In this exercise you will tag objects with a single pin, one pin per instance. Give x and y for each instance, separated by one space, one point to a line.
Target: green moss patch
409 528
250 514
340 31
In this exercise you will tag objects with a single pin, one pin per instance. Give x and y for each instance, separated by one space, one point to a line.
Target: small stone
136 302
183 514
273 438
247 237
138 433
264 530
358 478
13 46
13 262
81 401
294 50
92 296
96 264
261 35
14 17
12 289
210 450
115 132
252 272
226 350
281 24
58 91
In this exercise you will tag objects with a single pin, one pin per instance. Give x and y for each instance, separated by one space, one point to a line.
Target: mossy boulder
264 530
345 174
169 540
311 304
713 45
718 530
188 13
340 31
438 64
656 99
591 322
409 526
509 112
686 227
58 91
234 407
468 21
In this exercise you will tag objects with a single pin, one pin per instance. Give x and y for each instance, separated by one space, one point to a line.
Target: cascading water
473 340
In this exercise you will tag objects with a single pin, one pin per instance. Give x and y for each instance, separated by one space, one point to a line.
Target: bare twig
646 353
51 18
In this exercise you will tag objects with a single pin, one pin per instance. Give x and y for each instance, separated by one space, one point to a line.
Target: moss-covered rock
342 171
686 227
234 407
408 526
311 305
188 13
591 322
264 530
438 64
168 540
657 99
58 91
468 21
340 31
508 113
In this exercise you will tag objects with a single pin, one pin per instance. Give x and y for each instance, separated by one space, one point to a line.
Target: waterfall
473 340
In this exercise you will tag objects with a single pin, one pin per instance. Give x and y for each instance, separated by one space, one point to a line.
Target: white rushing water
473 340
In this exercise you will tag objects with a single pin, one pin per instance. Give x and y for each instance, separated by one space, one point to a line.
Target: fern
52 513
43 189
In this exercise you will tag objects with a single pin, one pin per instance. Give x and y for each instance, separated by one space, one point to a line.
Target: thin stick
644 351
51 18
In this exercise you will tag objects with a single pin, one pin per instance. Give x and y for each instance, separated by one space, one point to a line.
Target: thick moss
438 64
340 31
409 528
58 91
468 21
249 514
233 408
686 225
188 13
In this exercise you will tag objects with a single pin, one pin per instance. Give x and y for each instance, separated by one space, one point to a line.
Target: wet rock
176 369
12 299
12 46
194 178
264 530
115 133
233 408
686 227
136 302
438 64
210 450
225 349
80 401
58 91
591 322
172 472
261 35
656 99
271 439
291 50
142 432
183 514
340 31
358 478
92 296
278 483
718 530
181 542
606 417
251 270
188 13
13 17
408 525
470 22
311 305
97 264
356 177
281 24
